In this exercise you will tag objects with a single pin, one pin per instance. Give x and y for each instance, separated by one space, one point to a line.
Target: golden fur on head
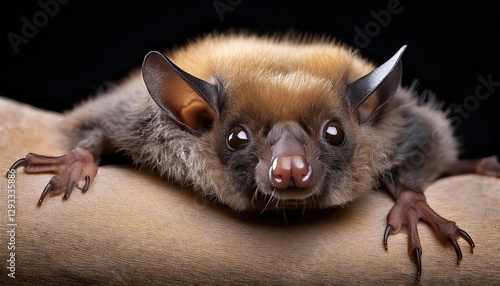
237 53
275 70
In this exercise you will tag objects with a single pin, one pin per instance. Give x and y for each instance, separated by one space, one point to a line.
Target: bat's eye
237 138
334 133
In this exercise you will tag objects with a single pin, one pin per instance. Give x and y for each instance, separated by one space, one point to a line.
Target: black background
83 44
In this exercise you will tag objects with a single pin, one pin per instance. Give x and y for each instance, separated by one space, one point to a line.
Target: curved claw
46 190
387 231
455 245
417 255
69 189
467 238
87 184
17 164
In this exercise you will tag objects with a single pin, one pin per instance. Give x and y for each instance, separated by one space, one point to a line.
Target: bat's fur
269 82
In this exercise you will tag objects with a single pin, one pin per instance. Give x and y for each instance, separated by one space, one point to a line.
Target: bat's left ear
368 94
189 101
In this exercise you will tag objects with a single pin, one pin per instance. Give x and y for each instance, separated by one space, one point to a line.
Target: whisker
271 197
255 193
303 211
277 203
284 216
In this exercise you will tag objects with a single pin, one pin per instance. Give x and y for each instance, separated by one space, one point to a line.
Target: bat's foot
487 166
410 207
76 169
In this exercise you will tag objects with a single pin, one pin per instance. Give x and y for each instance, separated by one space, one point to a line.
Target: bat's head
280 127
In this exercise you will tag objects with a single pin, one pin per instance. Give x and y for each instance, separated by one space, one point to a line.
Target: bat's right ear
186 99
368 94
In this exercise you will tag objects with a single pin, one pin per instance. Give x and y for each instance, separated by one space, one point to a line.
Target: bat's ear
186 99
367 94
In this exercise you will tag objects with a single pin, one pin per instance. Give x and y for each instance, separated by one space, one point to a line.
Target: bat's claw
454 243
410 207
387 231
417 256
467 238
73 168
16 165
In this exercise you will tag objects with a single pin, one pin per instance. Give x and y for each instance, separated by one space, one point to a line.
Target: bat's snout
291 171
291 174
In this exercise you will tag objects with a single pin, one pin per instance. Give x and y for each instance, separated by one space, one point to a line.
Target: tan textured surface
133 228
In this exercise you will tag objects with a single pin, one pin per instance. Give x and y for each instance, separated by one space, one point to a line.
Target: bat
263 123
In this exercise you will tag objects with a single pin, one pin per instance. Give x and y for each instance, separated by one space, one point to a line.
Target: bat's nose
290 171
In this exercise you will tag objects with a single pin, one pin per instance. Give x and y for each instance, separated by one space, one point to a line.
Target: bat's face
278 131
287 140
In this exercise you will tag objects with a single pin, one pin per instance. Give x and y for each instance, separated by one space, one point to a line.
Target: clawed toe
56 186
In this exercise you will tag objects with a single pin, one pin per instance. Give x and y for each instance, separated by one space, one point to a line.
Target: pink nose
290 171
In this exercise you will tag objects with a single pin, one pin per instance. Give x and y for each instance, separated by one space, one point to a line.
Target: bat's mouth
292 193
294 199
291 197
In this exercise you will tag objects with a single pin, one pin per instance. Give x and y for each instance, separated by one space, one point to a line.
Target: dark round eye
334 133
237 138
